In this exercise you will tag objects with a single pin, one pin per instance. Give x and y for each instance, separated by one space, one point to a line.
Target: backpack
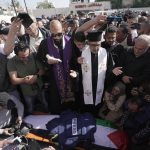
72 128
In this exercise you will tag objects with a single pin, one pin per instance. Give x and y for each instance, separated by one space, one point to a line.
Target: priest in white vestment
93 68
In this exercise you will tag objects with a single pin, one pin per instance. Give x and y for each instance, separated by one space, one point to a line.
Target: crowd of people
85 63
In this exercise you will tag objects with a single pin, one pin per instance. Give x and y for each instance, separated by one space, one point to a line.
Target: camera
20 130
114 18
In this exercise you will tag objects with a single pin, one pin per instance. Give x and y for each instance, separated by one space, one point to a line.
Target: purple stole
62 70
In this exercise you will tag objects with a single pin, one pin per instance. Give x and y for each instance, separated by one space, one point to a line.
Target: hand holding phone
26 19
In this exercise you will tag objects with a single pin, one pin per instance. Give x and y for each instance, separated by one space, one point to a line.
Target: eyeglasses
56 35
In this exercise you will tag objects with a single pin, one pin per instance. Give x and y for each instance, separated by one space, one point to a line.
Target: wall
50 12
53 11
73 7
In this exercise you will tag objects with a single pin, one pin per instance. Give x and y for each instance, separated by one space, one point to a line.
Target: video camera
20 142
22 130
109 20
114 18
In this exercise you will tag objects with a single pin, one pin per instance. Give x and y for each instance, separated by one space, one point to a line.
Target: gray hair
145 38
33 18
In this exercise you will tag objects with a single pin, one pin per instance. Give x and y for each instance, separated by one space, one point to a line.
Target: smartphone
26 19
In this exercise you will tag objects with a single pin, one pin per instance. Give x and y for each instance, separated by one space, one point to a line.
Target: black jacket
136 67
114 56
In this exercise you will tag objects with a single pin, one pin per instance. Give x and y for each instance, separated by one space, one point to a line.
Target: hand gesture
19 120
51 60
30 79
126 79
7 131
15 26
117 71
73 73
80 60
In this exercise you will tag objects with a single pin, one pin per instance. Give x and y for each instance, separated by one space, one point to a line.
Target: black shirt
94 63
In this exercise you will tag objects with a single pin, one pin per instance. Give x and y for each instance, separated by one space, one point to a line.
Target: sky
32 3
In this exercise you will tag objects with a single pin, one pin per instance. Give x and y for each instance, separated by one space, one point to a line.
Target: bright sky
32 3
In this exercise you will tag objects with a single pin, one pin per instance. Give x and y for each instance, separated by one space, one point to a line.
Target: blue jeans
30 101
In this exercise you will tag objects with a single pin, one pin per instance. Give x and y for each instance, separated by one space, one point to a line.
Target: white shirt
2 49
35 42
3 52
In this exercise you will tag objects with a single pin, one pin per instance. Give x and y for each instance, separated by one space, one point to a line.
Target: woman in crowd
113 100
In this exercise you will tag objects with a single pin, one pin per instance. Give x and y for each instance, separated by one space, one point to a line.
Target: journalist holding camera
11 111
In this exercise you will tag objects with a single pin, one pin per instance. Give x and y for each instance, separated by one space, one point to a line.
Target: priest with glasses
55 53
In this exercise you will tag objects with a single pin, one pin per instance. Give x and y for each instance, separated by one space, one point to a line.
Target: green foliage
115 3
141 3
16 3
45 5
118 3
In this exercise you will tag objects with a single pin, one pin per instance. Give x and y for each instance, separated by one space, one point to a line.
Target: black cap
4 30
94 36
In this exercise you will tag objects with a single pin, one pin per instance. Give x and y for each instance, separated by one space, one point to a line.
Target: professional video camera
109 20
20 130
114 18
20 141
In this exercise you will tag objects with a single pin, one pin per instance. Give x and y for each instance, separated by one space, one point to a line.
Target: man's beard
58 43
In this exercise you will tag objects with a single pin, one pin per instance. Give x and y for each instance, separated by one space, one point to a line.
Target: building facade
80 1
88 5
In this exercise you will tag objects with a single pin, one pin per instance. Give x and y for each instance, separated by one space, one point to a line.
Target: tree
136 3
115 3
141 3
45 5
16 3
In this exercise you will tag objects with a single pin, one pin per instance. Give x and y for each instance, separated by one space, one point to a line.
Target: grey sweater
5 114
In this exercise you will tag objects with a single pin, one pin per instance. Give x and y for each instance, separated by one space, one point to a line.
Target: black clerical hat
94 36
